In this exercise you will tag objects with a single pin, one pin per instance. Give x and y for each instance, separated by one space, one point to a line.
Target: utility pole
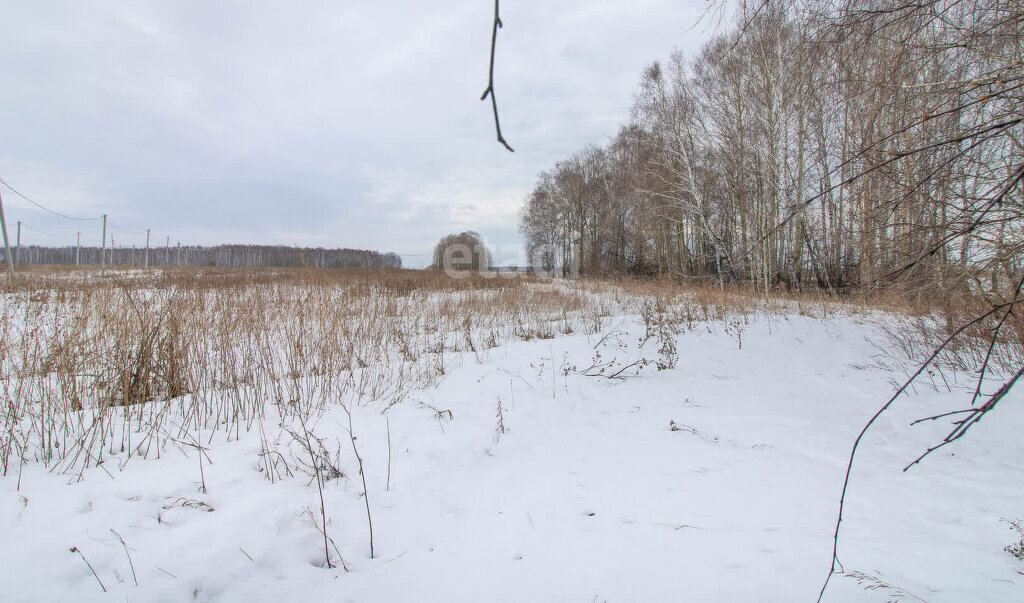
7 246
179 254
146 266
103 250
167 255
17 247
78 249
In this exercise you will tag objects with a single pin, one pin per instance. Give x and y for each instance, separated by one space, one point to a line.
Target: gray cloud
307 122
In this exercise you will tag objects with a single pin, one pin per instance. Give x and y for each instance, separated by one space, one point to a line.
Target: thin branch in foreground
943 415
867 426
490 78
962 426
992 344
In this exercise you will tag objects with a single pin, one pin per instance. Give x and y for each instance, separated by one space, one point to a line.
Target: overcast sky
335 124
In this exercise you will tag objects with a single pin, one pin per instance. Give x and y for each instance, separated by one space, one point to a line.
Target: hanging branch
962 426
490 79
974 415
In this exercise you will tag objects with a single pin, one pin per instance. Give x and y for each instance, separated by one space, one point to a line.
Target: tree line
827 143
219 255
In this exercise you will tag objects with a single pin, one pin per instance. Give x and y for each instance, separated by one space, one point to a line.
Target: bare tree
462 252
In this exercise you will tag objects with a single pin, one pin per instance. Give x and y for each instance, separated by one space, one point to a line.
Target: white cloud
308 122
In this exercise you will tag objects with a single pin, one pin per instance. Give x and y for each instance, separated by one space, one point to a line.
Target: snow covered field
524 473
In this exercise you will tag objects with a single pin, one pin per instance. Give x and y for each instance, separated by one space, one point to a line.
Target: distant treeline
220 255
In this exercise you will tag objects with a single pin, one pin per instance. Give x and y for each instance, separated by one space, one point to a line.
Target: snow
716 480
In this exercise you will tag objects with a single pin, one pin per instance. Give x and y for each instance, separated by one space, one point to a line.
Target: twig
864 430
362 474
320 489
500 426
943 415
551 348
74 549
962 426
975 414
387 482
125 545
490 78
992 343
616 375
873 582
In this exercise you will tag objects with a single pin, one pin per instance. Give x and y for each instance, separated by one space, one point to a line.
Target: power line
57 234
49 234
131 232
43 207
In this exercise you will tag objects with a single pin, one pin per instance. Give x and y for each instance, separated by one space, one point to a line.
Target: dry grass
83 351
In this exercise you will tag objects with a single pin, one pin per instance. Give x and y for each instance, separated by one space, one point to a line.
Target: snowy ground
588 495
